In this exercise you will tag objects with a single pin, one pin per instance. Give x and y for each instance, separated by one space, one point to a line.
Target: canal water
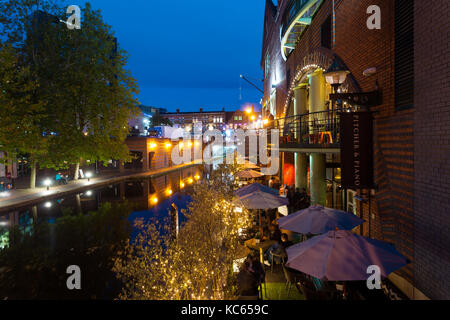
149 199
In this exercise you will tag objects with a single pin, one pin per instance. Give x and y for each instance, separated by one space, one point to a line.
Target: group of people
61 179
6 183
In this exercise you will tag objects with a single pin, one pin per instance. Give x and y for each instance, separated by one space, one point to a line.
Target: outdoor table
264 245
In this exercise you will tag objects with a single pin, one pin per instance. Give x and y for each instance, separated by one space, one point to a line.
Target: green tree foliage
34 266
23 118
77 80
197 264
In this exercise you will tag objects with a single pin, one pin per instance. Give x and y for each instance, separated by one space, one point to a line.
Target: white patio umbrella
249 165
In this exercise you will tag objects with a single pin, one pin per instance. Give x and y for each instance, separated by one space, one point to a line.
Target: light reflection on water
140 194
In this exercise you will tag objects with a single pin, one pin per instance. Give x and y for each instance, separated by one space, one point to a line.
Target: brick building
204 119
406 63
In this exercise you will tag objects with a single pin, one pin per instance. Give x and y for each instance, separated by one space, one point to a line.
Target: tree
96 97
34 265
22 117
197 264
84 93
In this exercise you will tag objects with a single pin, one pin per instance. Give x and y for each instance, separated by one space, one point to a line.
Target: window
326 33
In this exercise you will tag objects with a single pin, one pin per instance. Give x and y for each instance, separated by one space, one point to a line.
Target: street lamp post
336 75
89 176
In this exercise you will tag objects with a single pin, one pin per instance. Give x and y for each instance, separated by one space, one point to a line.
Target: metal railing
310 129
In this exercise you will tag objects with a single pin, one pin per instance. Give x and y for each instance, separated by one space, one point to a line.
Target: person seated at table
275 232
60 179
278 249
247 282
255 267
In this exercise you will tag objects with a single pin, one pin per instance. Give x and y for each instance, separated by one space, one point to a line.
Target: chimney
201 110
178 110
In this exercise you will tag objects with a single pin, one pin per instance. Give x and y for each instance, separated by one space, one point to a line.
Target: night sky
189 54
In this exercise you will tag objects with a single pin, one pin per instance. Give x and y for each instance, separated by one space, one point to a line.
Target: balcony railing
311 130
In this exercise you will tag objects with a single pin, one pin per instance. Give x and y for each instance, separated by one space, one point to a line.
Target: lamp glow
154 199
47 183
89 175
182 185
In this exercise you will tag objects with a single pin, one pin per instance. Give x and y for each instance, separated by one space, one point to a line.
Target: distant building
142 124
202 119
247 119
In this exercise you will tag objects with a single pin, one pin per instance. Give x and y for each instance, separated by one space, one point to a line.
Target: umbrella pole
260 224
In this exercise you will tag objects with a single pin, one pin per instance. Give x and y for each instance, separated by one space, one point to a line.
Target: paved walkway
25 197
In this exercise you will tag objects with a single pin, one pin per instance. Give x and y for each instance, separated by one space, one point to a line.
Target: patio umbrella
262 200
318 220
343 256
249 165
249 174
255 187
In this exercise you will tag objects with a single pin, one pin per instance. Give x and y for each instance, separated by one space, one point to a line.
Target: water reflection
148 198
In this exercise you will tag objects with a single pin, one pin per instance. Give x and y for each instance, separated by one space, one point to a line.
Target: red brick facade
432 149
411 146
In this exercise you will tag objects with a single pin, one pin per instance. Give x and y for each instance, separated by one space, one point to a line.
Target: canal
37 243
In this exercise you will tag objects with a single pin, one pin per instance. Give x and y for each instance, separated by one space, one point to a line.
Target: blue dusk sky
189 54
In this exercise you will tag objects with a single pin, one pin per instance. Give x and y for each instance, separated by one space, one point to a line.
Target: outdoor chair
291 278
280 257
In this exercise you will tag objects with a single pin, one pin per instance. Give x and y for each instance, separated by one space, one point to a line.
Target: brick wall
432 149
